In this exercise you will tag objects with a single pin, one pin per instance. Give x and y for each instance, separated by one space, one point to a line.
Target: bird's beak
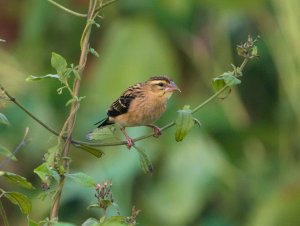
172 87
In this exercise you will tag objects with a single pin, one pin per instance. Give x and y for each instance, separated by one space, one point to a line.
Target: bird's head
162 86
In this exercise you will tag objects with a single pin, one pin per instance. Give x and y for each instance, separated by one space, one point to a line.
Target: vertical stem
3 214
72 115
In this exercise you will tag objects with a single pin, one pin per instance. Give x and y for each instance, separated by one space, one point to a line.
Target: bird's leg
129 140
156 130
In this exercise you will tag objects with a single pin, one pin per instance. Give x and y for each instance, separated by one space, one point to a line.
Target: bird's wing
122 104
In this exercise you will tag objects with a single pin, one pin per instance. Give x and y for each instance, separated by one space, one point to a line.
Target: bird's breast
142 111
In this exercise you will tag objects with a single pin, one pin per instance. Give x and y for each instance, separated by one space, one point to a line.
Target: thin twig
15 101
76 13
107 3
23 142
66 9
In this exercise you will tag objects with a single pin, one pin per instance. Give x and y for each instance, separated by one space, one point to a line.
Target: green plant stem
16 102
69 124
3 214
66 9
107 3
76 13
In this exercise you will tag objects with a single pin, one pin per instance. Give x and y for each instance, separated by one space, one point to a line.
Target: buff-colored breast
142 111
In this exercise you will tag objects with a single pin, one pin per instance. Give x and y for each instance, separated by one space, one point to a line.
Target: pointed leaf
51 154
59 63
37 78
5 152
146 164
101 133
218 83
19 199
44 172
95 205
254 51
184 123
230 79
17 179
91 222
63 224
3 120
226 78
94 151
82 179
116 221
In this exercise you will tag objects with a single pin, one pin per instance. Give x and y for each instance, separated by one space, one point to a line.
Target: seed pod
184 123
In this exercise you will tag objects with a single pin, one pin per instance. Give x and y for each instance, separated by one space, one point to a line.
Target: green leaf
59 63
63 224
226 79
19 199
184 123
116 221
17 179
94 205
3 120
101 133
230 79
91 222
94 151
146 164
254 51
5 152
218 83
44 172
82 179
37 78
51 154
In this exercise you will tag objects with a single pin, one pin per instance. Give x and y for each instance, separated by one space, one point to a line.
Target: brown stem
72 115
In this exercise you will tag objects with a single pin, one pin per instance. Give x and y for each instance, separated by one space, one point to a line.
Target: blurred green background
240 168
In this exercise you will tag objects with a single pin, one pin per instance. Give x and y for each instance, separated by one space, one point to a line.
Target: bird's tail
103 122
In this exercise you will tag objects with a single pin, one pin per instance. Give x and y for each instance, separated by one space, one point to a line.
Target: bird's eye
161 84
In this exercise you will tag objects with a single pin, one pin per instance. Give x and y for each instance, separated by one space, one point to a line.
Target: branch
15 101
66 9
80 14
105 4
70 121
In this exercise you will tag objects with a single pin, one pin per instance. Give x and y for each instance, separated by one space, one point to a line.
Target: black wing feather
120 106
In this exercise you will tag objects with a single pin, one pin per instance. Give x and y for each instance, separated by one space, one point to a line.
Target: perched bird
140 105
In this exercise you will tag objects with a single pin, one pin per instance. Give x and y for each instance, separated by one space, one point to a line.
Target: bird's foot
156 131
130 142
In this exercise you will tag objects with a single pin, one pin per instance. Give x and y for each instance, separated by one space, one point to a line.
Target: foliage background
240 168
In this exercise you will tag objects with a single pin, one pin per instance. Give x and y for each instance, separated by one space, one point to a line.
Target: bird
140 105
